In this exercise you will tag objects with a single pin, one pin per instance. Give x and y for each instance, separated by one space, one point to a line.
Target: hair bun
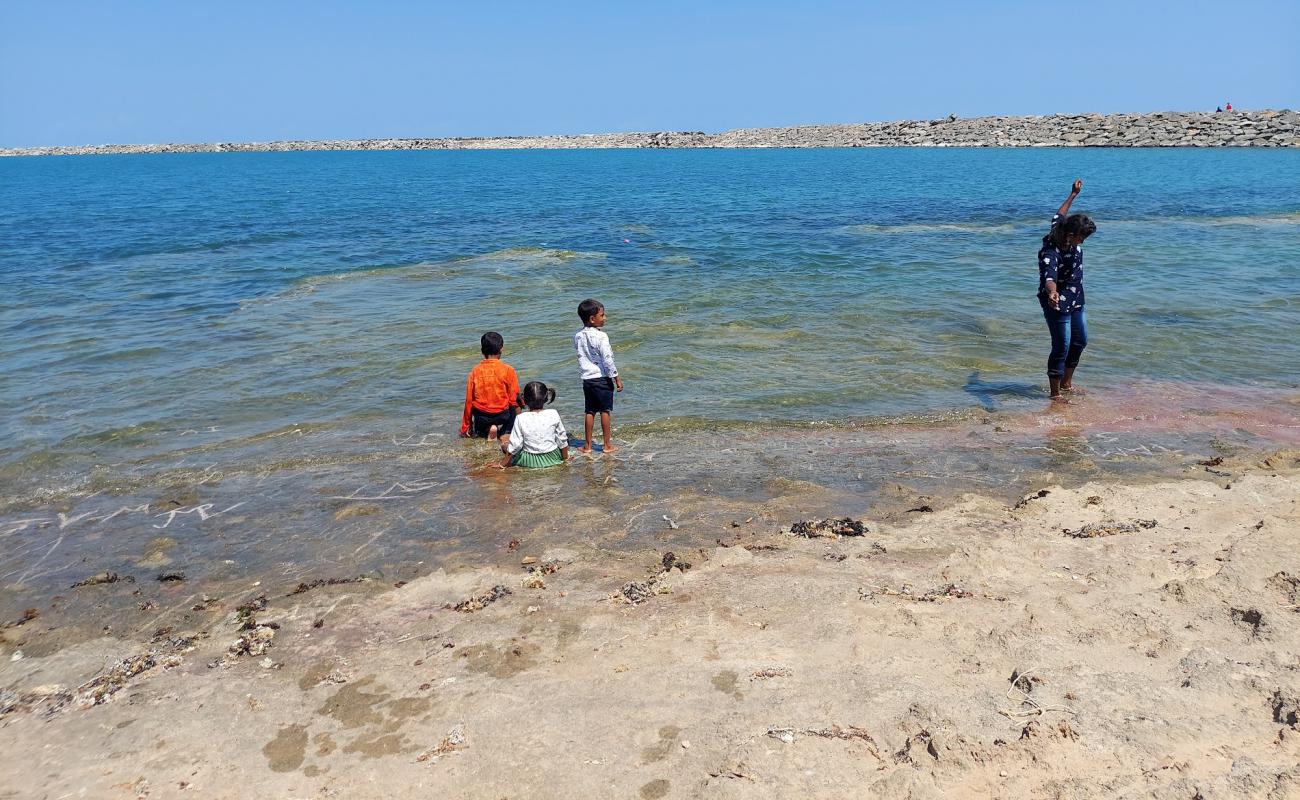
536 394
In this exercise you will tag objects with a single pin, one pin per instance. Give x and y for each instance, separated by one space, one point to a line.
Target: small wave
530 254
93 352
774 426
987 229
138 433
993 229
762 323
1292 218
131 353
1161 317
309 284
512 256
1244 220
211 246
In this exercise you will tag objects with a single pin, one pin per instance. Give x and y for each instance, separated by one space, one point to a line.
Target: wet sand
1127 628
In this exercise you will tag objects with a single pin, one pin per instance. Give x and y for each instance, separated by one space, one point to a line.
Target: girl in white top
538 438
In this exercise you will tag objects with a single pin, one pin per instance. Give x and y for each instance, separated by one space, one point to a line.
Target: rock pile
1160 129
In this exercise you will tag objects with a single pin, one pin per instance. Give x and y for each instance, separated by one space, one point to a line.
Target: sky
144 72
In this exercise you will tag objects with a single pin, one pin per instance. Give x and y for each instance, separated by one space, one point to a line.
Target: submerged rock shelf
1160 129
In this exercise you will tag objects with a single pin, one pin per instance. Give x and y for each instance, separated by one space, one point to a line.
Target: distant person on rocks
1218 109
1228 107
1060 293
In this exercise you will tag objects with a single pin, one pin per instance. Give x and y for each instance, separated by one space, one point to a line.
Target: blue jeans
1069 336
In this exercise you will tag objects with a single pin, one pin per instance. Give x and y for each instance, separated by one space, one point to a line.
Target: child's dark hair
535 395
588 308
492 343
1080 225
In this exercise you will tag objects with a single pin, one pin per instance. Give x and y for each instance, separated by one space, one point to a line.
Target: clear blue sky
78 73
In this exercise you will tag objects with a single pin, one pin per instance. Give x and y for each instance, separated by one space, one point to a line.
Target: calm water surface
178 320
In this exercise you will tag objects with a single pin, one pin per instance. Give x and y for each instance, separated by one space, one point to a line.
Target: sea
239 365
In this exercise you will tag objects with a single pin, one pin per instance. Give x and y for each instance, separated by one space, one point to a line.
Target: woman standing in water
1060 292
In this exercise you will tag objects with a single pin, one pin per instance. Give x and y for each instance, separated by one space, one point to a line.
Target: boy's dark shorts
480 421
598 393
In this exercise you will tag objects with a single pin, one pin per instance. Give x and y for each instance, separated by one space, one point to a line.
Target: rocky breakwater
1161 129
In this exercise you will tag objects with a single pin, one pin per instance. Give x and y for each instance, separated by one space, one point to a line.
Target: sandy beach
1108 639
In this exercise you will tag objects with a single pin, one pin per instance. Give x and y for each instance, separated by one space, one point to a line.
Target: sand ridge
976 650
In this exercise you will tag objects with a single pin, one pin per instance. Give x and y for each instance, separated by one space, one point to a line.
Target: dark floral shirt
1066 268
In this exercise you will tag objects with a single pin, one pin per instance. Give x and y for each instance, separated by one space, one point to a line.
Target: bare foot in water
1060 399
492 433
585 449
1072 389
609 448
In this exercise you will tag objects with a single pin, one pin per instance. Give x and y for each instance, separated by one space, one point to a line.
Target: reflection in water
986 392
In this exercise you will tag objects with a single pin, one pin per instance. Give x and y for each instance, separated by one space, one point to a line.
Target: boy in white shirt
599 374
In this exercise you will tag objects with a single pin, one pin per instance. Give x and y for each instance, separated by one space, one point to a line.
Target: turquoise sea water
193 313
251 292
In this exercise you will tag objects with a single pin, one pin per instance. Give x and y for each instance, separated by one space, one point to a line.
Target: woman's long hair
1080 225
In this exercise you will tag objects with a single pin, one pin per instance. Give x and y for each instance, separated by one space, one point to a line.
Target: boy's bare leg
588 423
492 433
505 441
604 429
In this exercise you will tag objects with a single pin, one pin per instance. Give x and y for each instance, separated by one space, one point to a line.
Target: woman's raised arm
1074 192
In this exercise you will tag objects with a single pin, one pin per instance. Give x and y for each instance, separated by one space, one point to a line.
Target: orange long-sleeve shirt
492 387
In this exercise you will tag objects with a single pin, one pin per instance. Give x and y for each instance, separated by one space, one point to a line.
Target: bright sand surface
1161 658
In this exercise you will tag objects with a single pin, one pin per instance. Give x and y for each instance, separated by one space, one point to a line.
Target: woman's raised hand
1078 184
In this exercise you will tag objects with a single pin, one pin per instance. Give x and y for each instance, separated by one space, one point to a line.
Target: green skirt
529 460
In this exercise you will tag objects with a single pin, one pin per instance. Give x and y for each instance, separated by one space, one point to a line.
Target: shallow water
283 330
404 503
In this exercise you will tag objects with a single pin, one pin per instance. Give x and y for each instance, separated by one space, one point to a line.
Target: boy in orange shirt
491 394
